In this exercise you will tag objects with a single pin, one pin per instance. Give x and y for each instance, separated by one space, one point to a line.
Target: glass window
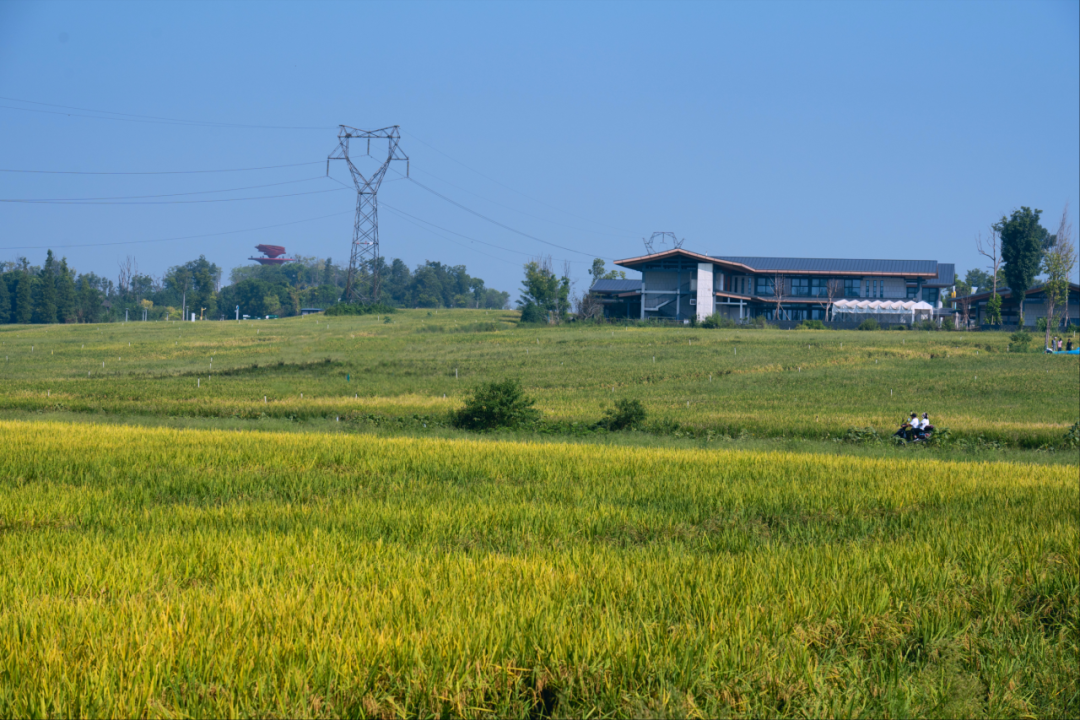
819 287
912 291
851 288
800 287
930 295
764 286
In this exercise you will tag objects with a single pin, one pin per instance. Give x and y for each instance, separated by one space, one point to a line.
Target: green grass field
810 384
167 551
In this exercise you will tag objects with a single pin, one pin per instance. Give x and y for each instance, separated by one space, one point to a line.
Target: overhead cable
467 237
513 209
184 237
496 222
502 184
161 172
162 202
199 192
152 119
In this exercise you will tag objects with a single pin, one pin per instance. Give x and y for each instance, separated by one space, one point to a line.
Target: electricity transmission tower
364 258
663 237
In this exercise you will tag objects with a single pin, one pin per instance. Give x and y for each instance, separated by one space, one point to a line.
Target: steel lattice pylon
362 282
663 238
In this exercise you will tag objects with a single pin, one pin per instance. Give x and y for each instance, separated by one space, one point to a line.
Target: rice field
345 571
175 573
808 384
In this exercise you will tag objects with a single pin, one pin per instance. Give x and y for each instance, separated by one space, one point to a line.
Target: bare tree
128 270
964 303
778 293
991 250
1059 263
588 307
832 289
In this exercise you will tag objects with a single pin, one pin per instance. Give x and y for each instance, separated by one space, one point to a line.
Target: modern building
1034 306
677 284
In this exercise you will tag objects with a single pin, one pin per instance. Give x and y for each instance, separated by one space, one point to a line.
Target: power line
173 239
152 119
502 184
161 172
162 202
496 222
467 237
140 197
513 209
407 219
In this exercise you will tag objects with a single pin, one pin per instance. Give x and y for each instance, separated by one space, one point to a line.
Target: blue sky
851 129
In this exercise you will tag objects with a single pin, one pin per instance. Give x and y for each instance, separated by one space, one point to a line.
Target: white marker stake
198 382
264 399
455 373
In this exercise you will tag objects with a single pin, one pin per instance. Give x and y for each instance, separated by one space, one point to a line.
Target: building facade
679 284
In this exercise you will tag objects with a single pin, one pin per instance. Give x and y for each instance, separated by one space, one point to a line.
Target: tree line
55 293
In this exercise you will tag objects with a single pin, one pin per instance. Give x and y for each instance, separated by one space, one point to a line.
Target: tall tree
1059 261
66 310
544 297
5 301
45 302
24 299
1021 250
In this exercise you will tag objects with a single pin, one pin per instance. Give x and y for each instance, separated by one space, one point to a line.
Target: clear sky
850 129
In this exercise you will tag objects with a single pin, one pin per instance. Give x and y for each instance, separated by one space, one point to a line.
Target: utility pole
364 257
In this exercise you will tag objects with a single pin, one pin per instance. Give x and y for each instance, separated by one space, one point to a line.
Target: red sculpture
271 255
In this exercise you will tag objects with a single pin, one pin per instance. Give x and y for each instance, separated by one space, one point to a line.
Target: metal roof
827 265
616 286
946 276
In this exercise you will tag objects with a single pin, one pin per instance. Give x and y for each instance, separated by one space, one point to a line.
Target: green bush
497 404
1072 438
533 314
1020 341
811 325
360 309
901 326
869 324
759 322
925 325
1040 325
948 324
626 415
717 321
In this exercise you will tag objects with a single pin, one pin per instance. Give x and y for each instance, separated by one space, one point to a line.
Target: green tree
66 310
993 310
1059 260
597 272
90 295
1022 241
5 301
24 299
544 296
45 300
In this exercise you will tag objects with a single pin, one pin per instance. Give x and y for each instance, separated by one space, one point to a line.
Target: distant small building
678 284
311 311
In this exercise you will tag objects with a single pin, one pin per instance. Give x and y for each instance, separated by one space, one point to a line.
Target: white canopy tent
885 307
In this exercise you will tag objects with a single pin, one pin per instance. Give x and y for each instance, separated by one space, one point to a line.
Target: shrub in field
1020 341
496 404
533 314
901 326
869 324
1040 325
359 309
717 321
948 324
862 436
925 325
810 325
1072 438
626 415
759 322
